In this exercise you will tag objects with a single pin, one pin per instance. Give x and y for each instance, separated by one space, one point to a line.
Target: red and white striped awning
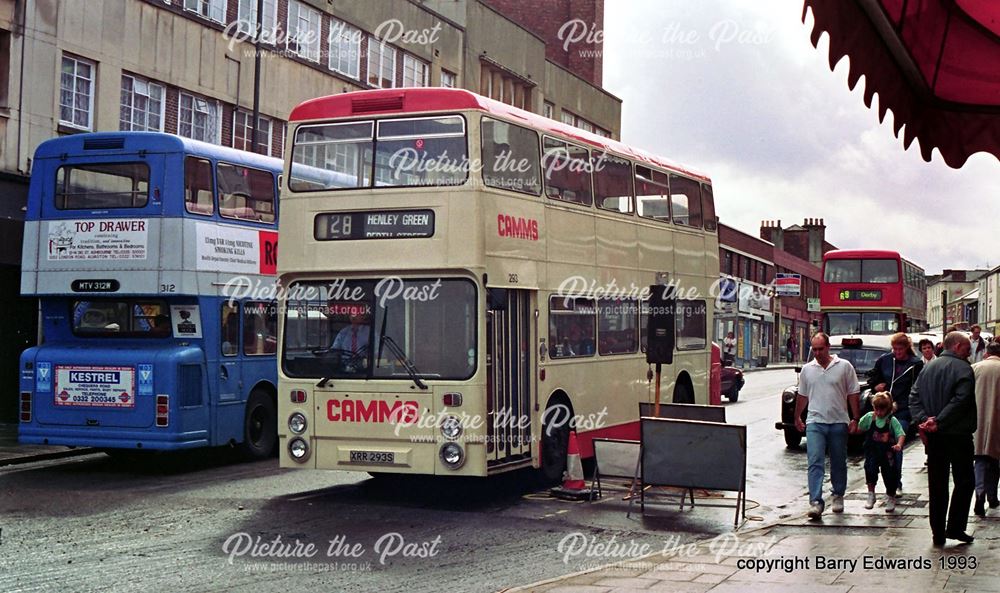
934 63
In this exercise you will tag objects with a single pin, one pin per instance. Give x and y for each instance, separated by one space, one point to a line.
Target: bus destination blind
860 295
396 224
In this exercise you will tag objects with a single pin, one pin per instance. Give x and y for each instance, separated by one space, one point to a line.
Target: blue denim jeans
821 439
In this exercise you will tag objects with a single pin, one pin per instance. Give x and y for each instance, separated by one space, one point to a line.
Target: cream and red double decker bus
463 281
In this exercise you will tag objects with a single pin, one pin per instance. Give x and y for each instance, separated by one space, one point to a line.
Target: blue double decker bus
153 259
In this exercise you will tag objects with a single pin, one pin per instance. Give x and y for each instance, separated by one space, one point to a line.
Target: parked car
732 382
861 351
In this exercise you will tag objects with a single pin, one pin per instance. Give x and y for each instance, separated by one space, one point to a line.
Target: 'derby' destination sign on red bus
860 295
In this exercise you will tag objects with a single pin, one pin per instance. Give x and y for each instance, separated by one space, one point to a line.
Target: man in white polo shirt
829 386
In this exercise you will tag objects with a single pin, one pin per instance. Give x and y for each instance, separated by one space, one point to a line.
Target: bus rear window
104 185
124 318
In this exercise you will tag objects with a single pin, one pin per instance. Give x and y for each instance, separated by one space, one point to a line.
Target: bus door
230 365
509 373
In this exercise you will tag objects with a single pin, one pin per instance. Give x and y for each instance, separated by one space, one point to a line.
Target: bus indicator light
25 406
162 410
298 396
452 399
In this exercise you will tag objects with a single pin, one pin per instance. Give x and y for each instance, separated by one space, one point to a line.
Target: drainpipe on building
23 5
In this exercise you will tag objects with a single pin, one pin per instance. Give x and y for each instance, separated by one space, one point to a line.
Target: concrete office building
187 67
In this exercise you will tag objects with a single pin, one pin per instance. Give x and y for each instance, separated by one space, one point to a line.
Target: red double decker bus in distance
867 291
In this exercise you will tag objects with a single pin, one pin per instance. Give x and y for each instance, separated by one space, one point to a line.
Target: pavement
12 452
857 551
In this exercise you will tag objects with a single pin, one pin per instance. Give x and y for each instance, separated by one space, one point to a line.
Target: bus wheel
683 394
260 426
792 438
555 440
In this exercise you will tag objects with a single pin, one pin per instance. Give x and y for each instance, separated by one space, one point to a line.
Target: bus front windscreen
881 323
389 329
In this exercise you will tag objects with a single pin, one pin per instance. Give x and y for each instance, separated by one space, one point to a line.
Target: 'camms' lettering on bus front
517 227
350 410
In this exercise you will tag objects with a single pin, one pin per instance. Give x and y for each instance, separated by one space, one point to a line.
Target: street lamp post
256 77
944 312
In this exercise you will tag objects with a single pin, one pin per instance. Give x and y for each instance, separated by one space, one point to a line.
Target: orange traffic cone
573 487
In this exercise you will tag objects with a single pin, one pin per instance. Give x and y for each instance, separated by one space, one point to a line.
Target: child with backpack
884 440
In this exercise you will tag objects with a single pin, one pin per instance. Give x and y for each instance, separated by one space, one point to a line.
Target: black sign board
660 325
860 295
95 285
382 224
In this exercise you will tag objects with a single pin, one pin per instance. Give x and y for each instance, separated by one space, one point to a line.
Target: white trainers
890 504
815 509
870 504
838 504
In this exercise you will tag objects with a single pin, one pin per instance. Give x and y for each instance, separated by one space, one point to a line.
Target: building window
548 109
303 30
602 132
199 119
448 79
381 64
141 106
345 49
76 93
584 125
415 72
242 132
210 9
4 68
268 24
567 118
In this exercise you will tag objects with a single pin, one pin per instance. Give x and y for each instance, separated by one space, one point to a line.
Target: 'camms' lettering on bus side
350 410
517 228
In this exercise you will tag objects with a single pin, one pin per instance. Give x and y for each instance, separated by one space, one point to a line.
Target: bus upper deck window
198 186
245 193
102 185
685 198
567 168
652 194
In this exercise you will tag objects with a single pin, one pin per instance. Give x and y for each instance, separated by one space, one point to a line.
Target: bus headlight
297 423
452 455
298 449
451 428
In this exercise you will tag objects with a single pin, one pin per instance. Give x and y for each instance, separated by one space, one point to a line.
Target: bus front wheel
260 426
555 440
683 394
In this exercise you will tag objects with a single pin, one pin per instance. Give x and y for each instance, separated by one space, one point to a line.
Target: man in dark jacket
943 404
895 372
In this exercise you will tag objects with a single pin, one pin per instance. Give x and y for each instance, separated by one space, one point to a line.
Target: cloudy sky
736 90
